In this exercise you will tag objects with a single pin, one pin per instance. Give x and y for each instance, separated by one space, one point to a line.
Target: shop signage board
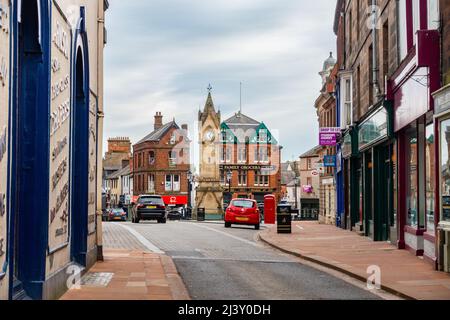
175 200
373 129
60 111
92 192
442 100
329 136
4 112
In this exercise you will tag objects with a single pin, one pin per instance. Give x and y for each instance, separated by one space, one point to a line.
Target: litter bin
284 218
200 214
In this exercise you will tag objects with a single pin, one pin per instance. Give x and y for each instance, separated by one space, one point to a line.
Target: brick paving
137 275
116 237
401 272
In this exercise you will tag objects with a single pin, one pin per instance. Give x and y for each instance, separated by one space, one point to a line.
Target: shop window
433 14
412 196
445 170
429 177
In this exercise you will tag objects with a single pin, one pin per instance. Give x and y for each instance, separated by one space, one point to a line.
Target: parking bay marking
144 241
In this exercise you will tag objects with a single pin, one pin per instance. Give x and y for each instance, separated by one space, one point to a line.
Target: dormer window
262 136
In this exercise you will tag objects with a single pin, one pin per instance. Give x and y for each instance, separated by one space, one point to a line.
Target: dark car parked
149 207
177 213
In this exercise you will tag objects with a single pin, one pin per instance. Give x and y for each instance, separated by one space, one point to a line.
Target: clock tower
209 191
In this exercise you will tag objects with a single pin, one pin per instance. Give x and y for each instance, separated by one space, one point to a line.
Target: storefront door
368 194
383 203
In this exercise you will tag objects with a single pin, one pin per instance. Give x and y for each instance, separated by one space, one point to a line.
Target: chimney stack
158 120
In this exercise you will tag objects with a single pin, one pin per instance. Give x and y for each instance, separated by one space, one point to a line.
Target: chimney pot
158 120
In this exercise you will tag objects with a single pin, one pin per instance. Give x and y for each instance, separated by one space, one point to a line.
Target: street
230 264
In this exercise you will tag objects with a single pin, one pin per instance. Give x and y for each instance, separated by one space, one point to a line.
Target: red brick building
253 156
161 162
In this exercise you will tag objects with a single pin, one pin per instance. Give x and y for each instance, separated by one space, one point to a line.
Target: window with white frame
263 154
176 182
346 101
226 153
402 30
172 158
242 175
261 178
242 153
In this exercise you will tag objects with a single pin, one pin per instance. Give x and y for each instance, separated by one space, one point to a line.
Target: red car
243 212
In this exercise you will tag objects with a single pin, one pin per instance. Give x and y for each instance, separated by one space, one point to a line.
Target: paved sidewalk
136 275
342 250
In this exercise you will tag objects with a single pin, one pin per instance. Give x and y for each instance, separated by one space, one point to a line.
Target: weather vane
209 88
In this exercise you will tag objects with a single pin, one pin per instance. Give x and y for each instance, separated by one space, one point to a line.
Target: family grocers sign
329 136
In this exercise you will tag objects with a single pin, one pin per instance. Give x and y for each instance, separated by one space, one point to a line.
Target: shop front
416 132
441 220
350 179
376 147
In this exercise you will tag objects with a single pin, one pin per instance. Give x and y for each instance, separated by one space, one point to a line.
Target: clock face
210 135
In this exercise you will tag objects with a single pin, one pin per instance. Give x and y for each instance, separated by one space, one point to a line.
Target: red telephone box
270 209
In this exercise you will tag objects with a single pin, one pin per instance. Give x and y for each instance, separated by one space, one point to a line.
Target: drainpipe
375 69
100 117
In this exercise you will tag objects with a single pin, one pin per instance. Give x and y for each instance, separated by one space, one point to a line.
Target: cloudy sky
162 54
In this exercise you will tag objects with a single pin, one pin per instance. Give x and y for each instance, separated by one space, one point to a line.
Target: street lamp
229 177
296 181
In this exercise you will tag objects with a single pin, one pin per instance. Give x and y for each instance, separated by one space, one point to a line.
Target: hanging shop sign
92 189
4 129
329 136
59 130
374 129
329 161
